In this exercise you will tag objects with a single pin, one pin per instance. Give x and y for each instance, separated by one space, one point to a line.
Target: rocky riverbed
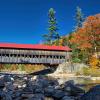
27 87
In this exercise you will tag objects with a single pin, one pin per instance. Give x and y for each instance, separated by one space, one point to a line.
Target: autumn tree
52 34
92 28
87 37
79 21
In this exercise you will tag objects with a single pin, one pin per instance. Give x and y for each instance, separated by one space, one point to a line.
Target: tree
52 34
87 37
92 28
79 18
73 42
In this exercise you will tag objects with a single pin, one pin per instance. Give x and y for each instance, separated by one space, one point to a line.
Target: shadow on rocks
92 94
72 89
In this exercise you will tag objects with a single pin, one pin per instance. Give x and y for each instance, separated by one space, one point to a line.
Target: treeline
84 40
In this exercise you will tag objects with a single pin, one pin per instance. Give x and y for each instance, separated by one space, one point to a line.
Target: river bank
40 87
69 76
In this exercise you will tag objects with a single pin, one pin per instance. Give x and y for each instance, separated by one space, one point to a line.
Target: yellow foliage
33 68
13 67
94 62
60 41
89 72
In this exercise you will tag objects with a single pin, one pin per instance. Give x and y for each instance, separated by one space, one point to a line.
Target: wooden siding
33 56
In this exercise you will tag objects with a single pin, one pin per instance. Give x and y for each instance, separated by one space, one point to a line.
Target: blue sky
24 21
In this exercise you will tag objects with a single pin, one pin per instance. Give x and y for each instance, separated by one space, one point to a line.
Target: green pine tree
79 18
52 29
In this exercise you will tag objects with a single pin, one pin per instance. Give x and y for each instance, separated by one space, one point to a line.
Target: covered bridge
33 53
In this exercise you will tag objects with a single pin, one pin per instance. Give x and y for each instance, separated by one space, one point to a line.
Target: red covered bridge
35 54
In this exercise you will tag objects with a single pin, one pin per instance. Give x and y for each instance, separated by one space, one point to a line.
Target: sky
25 21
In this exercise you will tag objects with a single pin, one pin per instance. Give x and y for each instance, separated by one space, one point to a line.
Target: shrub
21 67
7 66
76 60
89 72
33 68
86 71
13 67
28 68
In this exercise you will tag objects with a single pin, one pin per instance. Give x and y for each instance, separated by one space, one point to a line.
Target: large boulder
7 78
37 89
2 84
42 81
59 94
72 89
49 91
38 97
5 96
17 95
92 94
28 87
68 67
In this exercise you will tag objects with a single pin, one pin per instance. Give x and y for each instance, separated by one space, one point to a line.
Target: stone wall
68 67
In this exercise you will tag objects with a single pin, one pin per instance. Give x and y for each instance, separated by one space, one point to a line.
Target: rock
67 98
10 89
17 94
92 94
10 86
58 94
2 93
53 82
1 76
33 78
69 82
49 91
29 86
42 81
18 98
39 90
57 87
5 96
19 86
72 89
7 78
25 78
2 84
38 97
26 96
46 81
68 67
24 85
28 89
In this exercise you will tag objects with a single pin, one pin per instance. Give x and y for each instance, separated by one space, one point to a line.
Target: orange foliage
89 34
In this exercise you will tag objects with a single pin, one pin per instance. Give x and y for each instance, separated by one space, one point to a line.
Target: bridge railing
31 60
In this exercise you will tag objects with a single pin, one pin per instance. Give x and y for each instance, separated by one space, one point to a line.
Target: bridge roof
34 46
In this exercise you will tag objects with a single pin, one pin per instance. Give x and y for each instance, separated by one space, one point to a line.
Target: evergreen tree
79 18
52 34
